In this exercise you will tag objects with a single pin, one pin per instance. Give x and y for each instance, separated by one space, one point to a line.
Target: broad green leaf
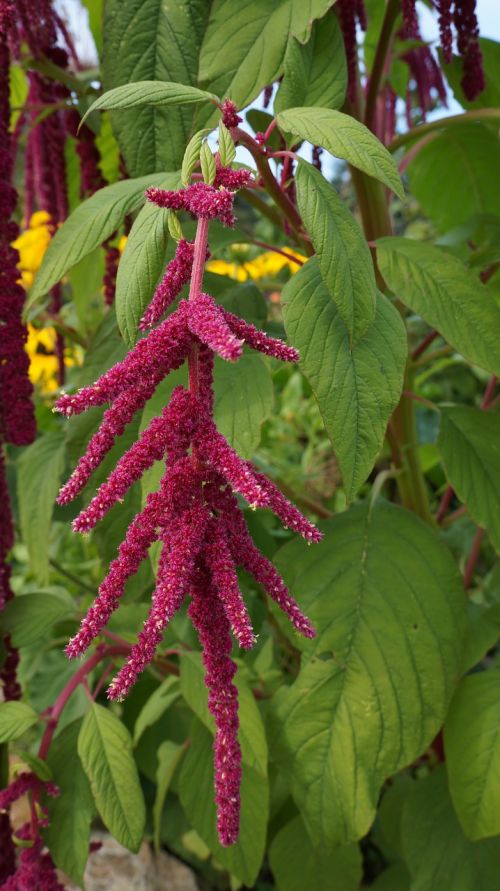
357 386
376 688
196 793
169 756
437 853
86 280
296 864
251 734
227 148
87 227
343 255
207 164
253 36
39 472
141 264
344 137
469 442
31 617
490 96
461 159
191 156
482 634
315 73
243 400
449 297
155 41
395 878
15 719
149 92
157 704
472 745
71 813
105 749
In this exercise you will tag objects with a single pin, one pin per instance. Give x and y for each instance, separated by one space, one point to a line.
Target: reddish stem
472 559
200 253
489 393
270 129
275 250
444 504
421 348
285 154
102 652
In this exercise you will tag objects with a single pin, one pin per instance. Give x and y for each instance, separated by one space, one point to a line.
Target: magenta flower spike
194 514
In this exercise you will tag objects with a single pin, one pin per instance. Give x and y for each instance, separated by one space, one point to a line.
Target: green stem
390 18
455 120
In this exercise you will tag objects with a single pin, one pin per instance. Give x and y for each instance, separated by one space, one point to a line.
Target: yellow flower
266 265
32 244
40 346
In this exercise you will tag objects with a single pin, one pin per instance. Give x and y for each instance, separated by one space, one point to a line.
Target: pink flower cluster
35 868
195 513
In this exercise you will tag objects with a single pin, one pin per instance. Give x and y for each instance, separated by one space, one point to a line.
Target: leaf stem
200 253
472 559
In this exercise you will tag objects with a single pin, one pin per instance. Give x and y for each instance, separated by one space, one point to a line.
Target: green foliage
252 57
164 48
15 719
469 441
71 813
377 682
314 72
465 183
346 138
436 850
297 864
451 299
472 740
28 619
38 480
357 385
105 750
88 226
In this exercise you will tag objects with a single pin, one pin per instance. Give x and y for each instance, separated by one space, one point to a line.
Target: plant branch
390 17
472 559
72 578
455 120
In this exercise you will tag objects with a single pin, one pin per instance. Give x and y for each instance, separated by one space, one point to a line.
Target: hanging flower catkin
194 514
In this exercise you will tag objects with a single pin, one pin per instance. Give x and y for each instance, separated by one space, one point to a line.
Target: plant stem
455 120
102 652
472 559
421 348
276 250
200 253
390 17
72 578
265 209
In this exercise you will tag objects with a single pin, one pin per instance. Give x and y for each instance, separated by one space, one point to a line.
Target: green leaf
105 749
437 853
296 864
157 704
192 155
71 813
254 38
472 745
344 137
31 617
381 672
15 719
87 227
446 294
462 159
227 148
141 264
251 734
315 73
395 878
149 92
469 442
196 793
343 255
207 163
169 756
155 41
357 386
243 400
38 478
490 96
